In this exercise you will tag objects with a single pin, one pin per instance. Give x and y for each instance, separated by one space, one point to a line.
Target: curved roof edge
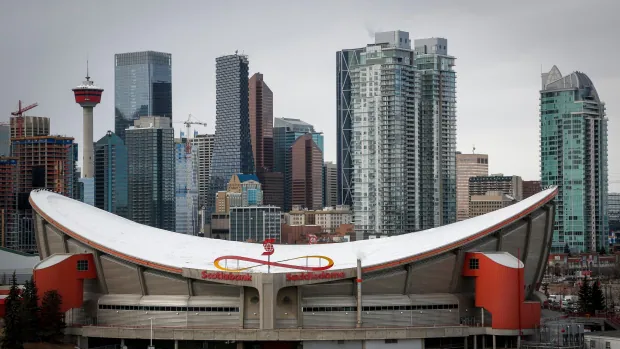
173 252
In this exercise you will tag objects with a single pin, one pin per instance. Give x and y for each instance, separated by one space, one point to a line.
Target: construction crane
188 124
20 116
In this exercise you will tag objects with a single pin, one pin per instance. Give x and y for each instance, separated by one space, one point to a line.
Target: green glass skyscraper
573 146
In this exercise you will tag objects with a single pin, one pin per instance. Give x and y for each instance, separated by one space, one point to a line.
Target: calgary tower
87 95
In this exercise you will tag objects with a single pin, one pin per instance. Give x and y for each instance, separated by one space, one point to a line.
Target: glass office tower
111 175
142 87
285 132
150 148
232 151
573 146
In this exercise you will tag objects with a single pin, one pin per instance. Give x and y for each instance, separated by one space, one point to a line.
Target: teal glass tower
573 147
110 185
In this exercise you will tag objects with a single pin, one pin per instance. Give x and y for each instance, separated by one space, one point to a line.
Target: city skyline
489 108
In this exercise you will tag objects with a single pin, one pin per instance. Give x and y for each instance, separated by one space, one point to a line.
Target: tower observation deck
87 95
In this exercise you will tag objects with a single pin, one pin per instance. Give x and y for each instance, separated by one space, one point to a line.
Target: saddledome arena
463 285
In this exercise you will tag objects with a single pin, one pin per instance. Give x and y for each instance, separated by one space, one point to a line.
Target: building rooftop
168 251
247 177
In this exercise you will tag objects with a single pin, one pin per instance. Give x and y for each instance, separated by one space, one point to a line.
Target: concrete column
494 342
267 295
475 342
465 342
239 345
82 342
484 341
88 166
123 343
176 344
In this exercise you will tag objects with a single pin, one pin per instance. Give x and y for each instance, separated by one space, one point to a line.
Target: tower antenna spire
87 75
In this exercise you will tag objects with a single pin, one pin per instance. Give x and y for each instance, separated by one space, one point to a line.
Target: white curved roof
168 250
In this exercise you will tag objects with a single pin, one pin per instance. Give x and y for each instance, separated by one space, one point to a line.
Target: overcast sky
500 46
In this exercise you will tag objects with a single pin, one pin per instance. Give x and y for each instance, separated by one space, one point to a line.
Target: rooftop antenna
87 75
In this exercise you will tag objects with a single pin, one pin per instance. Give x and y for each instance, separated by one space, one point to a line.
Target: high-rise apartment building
232 152
330 184
186 188
29 126
396 120
261 123
467 166
306 173
203 147
111 168
286 131
530 188
5 140
45 162
437 131
8 201
573 145
384 124
509 185
142 87
613 211
151 174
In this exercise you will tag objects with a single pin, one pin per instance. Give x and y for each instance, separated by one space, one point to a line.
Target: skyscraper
111 175
306 173
186 189
384 149
573 145
285 132
467 166
203 146
346 60
232 152
29 126
151 175
261 123
437 132
330 184
142 87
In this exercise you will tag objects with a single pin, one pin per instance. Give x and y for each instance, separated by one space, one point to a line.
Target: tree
585 296
567 248
30 311
602 251
13 335
52 320
4 280
597 299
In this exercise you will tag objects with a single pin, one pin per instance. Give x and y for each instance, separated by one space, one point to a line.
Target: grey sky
500 47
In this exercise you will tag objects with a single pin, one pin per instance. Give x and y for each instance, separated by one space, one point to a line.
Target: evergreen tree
566 248
597 299
602 251
585 296
12 323
30 311
52 320
4 280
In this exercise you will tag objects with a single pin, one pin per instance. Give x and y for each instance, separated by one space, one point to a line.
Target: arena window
82 265
474 264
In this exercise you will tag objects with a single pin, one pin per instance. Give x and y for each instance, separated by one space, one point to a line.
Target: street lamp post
151 346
